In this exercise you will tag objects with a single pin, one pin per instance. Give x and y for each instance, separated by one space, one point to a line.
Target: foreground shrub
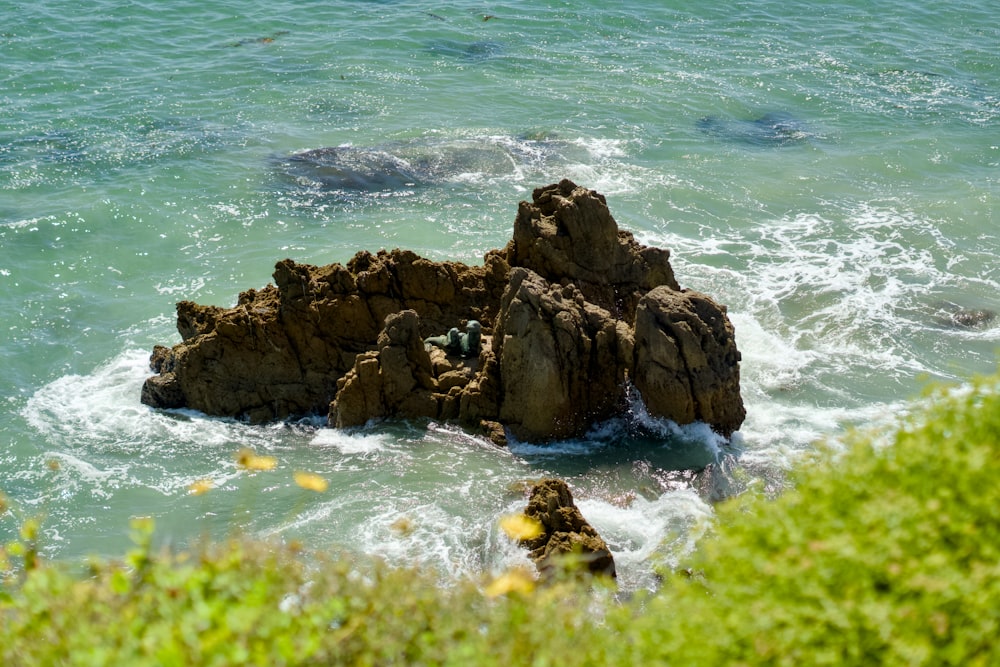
243 602
882 555
878 555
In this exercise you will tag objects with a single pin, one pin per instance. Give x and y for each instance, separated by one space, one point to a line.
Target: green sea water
143 160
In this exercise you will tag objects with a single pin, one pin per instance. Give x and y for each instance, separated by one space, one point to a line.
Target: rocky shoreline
572 311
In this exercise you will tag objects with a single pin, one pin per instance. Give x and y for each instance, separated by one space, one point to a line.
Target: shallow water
140 153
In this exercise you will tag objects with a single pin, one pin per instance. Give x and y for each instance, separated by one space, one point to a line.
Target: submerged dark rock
973 318
772 129
412 164
349 168
571 311
474 51
955 316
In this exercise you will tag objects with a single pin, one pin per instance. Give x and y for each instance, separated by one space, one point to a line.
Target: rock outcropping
565 533
572 310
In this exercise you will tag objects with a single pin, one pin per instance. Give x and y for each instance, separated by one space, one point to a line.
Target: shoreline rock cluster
572 311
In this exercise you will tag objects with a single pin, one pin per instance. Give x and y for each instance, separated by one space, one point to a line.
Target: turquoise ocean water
142 150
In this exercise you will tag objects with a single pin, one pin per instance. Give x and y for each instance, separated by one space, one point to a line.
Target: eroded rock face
571 311
282 350
394 380
402 378
562 360
565 531
685 356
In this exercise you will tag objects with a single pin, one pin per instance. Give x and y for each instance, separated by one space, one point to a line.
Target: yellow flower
521 527
247 459
512 581
402 526
310 481
4 504
200 487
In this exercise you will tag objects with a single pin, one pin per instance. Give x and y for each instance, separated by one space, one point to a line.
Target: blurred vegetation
885 552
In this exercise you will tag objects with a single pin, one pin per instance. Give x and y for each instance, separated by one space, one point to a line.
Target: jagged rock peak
567 234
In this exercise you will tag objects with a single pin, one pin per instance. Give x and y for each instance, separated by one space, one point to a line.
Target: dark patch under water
410 164
772 129
468 51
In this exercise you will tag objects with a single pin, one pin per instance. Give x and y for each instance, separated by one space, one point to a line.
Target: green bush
885 554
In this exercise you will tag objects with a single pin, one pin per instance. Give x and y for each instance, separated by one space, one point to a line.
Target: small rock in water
973 318
468 51
954 315
564 531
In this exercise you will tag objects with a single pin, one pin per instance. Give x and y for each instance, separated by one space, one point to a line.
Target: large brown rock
282 349
561 359
572 310
565 533
686 365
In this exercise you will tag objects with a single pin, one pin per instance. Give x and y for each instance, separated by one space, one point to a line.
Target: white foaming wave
349 442
425 535
769 361
103 441
830 291
74 474
667 428
776 434
406 530
602 147
863 272
103 405
102 411
862 296
664 529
